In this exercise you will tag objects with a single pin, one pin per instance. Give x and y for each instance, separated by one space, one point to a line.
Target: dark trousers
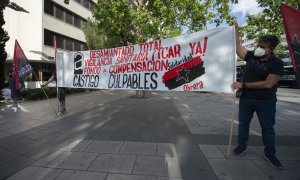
265 110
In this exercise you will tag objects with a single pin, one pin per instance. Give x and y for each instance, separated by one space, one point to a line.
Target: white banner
201 61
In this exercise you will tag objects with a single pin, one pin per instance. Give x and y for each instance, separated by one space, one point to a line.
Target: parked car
288 78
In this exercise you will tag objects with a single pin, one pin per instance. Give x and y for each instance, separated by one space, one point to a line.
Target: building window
86 3
49 7
63 42
60 42
48 38
77 46
69 18
89 4
69 44
77 21
65 15
92 6
59 13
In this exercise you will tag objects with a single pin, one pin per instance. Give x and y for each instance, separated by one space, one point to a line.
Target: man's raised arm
240 50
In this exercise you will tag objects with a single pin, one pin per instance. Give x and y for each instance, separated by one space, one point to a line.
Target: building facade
35 31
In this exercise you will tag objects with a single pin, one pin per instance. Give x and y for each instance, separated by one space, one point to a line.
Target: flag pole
55 51
231 127
44 92
234 96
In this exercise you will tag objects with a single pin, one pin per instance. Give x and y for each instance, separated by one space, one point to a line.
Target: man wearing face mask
262 73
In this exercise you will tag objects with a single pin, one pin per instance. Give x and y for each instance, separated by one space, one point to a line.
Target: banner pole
44 92
231 127
235 35
55 51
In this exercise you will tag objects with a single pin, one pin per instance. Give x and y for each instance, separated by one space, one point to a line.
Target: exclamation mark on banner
205 44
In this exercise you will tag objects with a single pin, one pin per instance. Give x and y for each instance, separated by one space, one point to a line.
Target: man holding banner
262 73
61 94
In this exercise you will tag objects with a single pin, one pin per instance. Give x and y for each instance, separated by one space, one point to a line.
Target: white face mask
259 52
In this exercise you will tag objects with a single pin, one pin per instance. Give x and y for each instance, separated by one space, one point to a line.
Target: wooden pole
232 126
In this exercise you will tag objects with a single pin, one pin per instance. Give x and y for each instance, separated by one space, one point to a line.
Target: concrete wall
26 28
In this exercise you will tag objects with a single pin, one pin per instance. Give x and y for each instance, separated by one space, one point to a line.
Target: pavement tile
129 177
80 175
22 141
253 152
204 130
166 149
191 123
8 125
73 160
9 139
211 151
40 152
157 166
4 134
236 169
13 166
18 129
68 146
35 173
257 152
113 163
194 167
290 172
168 178
288 153
169 127
7 155
137 136
28 148
81 146
43 162
104 146
139 148
226 130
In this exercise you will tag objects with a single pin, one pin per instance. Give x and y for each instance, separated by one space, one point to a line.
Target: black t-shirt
258 70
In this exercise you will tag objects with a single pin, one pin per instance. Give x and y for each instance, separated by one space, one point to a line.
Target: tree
135 21
269 21
4 36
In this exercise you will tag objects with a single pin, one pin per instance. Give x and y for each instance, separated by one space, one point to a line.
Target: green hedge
38 94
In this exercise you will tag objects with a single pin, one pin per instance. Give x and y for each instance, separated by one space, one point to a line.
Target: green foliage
121 22
3 39
269 21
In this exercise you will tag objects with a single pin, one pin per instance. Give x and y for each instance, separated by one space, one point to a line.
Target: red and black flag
184 73
21 67
291 23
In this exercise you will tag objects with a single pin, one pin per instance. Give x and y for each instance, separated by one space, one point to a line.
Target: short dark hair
271 39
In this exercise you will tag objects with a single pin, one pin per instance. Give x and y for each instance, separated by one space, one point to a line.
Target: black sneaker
239 151
272 159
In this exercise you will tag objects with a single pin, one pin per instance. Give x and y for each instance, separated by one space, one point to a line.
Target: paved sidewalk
111 135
